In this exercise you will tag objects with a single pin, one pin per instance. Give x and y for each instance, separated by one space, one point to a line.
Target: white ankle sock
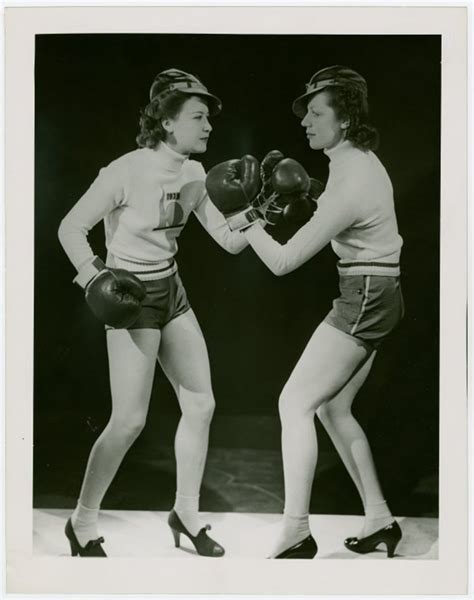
293 529
84 522
187 508
377 516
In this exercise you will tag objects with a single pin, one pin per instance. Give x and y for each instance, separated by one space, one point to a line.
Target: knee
330 414
128 429
325 414
200 408
285 405
295 404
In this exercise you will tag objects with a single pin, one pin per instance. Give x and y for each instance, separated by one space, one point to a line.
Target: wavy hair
151 117
350 104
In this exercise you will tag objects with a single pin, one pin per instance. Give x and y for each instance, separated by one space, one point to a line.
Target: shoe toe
218 550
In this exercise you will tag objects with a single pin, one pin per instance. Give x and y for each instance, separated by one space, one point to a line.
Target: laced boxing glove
232 186
114 295
297 192
267 201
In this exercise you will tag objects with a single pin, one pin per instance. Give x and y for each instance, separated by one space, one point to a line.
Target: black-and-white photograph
303 195
237 297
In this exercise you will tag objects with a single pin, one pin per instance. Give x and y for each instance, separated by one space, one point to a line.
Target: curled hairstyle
350 104
165 103
347 91
161 106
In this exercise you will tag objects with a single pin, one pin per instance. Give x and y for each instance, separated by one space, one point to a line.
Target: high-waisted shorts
164 301
369 307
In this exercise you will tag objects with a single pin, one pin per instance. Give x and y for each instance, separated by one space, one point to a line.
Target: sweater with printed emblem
145 198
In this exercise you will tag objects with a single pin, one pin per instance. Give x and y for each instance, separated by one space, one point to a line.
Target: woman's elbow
280 270
62 231
233 250
65 230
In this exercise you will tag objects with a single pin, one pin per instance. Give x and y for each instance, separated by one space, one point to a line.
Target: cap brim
213 102
300 104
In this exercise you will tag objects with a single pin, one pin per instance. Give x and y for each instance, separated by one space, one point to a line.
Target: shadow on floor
235 480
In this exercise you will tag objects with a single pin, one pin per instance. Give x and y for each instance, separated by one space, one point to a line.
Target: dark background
89 90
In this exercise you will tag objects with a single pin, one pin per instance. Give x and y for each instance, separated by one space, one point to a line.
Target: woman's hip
369 307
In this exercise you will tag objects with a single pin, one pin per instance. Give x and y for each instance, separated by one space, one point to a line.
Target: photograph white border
31 575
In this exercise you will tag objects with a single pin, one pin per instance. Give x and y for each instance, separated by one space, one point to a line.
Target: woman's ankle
376 510
293 530
377 516
187 509
83 514
84 522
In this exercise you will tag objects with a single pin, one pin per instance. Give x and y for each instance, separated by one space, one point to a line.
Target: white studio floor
130 533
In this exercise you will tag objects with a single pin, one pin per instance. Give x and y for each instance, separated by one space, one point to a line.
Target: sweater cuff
88 271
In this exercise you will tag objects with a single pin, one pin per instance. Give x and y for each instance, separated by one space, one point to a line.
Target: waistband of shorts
145 271
385 269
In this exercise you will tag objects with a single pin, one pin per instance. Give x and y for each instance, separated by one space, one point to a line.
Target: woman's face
323 128
189 131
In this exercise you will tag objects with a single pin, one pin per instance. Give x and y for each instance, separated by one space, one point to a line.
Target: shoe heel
176 535
391 546
72 544
74 550
390 536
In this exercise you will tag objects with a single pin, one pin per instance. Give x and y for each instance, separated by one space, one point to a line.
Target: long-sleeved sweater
355 213
145 198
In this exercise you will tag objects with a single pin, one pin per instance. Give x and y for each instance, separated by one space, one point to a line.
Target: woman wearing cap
145 198
356 214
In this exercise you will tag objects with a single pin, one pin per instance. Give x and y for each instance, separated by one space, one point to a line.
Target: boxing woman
145 198
356 214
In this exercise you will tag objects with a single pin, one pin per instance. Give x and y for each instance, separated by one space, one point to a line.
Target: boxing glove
114 295
267 167
232 187
301 208
267 200
297 192
289 179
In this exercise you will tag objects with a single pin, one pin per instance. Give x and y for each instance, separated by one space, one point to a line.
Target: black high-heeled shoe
389 535
307 548
205 545
92 548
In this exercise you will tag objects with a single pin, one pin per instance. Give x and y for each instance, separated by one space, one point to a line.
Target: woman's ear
167 125
345 124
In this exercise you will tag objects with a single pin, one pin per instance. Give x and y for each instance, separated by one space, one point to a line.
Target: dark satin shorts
369 307
164 301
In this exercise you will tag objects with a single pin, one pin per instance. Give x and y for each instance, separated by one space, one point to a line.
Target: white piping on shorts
364 303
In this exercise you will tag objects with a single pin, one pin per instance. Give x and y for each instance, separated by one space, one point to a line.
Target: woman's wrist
88 271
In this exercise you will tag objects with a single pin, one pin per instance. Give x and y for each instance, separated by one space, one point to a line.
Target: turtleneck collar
169 158
343 150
